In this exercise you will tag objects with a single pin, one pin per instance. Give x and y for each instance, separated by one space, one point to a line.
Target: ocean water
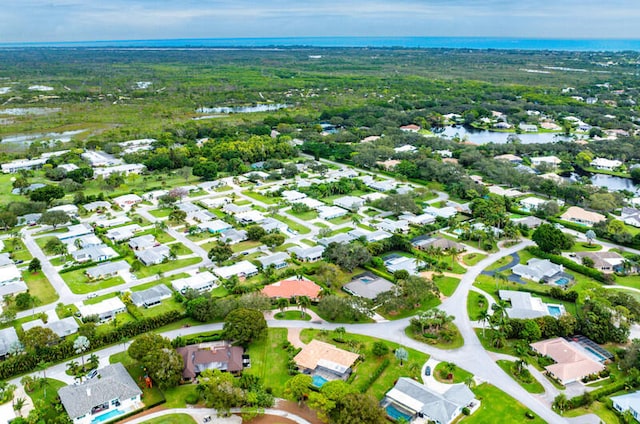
380 42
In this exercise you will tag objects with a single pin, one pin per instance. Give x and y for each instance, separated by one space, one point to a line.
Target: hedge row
27 362
374 376
568 263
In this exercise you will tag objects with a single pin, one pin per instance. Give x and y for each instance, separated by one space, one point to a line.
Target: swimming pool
106 417
366 280
554 310
595 353
562 281
395 414
318 381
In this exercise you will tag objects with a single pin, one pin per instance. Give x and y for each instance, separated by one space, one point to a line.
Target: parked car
427 371
92 374
18 261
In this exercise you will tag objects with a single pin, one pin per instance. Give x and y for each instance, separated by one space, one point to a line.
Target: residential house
216 226
504 192
277 260
188 208
418 220
201 282
151 297
9 272
530 204
22 164
153 256
293 288
216 202
82 242
528 127
410 128
630 216
143 242
425 242
528 221
409 399
110 394
308 254
242 269
339 238
126 169
271 225
547 160
581 216
123 233
104 222
62 328
606 164
74 231
8 341
127 201
234 236
29 219
370 236
100 159
105 310
292 196
98 253
372 197
108 270
349 202
607 262
331 212
509 158
325 361
627 402
396 262
446 212
368 285
220 355
250 217
97 205
399 226
525 306
542 271
233 209
70 210
155 195
572 362
311 203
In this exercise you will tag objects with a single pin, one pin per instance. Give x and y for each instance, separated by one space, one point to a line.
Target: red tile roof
291 288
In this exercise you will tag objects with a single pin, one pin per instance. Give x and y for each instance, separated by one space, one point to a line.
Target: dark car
427 371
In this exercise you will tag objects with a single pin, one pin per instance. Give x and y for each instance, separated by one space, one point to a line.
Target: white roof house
399 226
8 338
99 158
127 200
606 164
234 236
446 212
71 210
104 222
17 165
216 202
537 269
349 202
407 148
215 227
330 212
309 254
293 196
151 297
422 219
631 216
9 272
143 242
278 260
272 224
105 310
108 270
94 253
396 263
126 168
525 306
549 160
233 209
243 269
627 402
154 255
250 217
204 281
310 203
100 204
123 233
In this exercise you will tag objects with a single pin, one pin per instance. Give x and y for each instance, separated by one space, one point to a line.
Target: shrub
466 411
192 398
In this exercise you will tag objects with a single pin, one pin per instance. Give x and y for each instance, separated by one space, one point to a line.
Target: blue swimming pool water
595 353
562 282
395 415
366 280
554 311
106 417
318 381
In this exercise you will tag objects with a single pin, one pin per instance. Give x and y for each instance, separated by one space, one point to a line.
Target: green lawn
80 284
172 419
99 299
364 369
260 197
40 287
598 408
585 247
500 262
292 316
301 229
165 306
532 387
340 220
305 216
161 236
181 249
476 303
167 266
244 245
446 285
269 360
456 342
498 407
458 375
176 396
51 390
41 241
150 396
161 213
16 249
471 259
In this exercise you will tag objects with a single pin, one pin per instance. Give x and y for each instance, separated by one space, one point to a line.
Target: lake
21 111
484 136
608 181
63 137
242 109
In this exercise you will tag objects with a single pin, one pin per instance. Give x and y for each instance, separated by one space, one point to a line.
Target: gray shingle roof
151 295
8 337
114 383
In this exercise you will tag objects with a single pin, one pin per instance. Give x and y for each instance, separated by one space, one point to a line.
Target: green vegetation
446 285
529 383
79 283
269 359
172 419
40 287
471 259
448 372
498 407
476 304
292 316
166 266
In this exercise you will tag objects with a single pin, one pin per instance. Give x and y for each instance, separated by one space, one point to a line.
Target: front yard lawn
17 250
80 284
476 303
458 375
166 266
471 259
446 285
244 245
161 213
40 287
532 386
292 316
269 360
498 407
301 229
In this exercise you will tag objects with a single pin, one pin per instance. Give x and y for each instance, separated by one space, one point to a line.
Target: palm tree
561 402
80 345
73 367
282 304
500 277
304 302
94 360
355 219
484 316
450 368
18 404
590 235
340 332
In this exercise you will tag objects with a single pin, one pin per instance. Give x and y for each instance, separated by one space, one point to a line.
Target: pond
607 181
63 137
242 109
485 136
21 111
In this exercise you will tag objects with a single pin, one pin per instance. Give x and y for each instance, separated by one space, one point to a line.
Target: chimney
88 391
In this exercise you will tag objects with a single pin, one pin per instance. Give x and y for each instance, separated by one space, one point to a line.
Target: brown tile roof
315 351
571 364
293 288
222 356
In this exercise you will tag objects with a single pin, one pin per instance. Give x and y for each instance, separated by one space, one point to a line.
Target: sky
90 20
